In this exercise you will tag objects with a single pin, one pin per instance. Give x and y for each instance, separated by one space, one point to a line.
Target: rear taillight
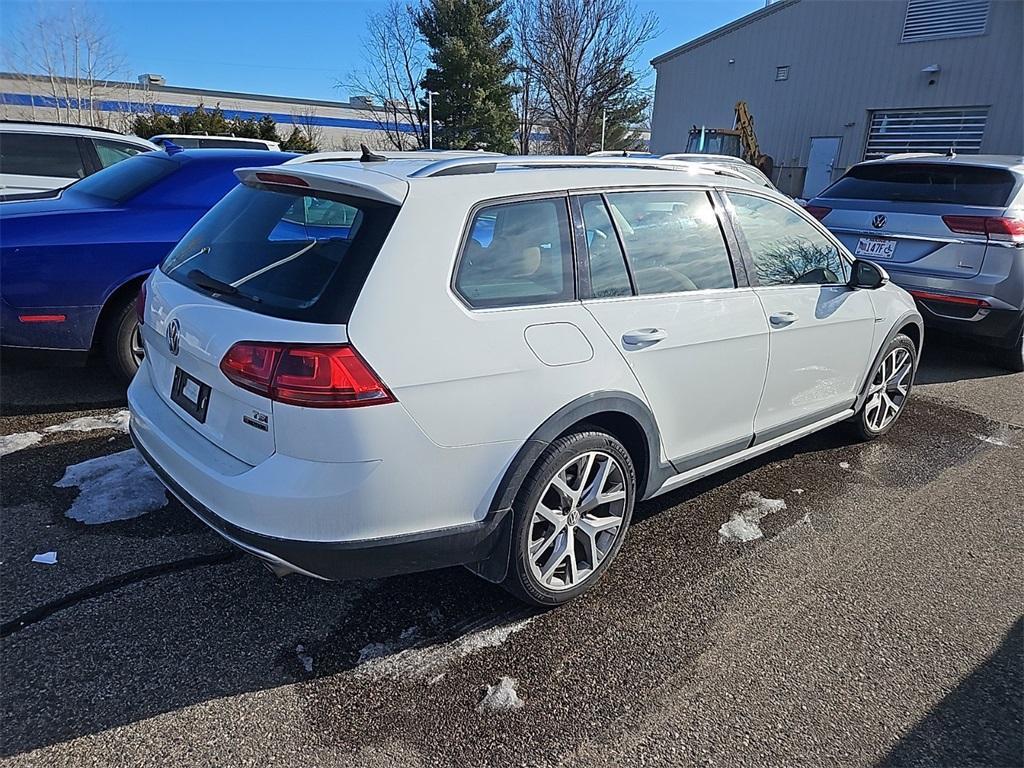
818 211
314 375
993 227
140 304
950 299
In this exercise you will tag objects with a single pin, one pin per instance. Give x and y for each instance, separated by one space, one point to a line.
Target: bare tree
395 56
581 55
304 119
70 50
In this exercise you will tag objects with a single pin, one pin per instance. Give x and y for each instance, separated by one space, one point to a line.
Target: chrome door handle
782 319
644 336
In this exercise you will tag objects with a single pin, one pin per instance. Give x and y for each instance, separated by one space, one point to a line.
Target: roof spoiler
354 182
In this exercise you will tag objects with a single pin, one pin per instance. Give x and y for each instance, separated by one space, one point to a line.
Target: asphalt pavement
877 622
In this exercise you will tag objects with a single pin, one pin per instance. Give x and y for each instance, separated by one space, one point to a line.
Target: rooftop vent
361 101
939 19
149 78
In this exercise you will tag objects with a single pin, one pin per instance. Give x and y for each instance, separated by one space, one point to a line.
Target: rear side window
608 275
229 144
673 241
283 253
925 183
111 152
786 248
41 154
517 254
124 180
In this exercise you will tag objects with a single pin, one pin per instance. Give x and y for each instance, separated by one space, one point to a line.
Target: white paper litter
305 658
798 491
118 421
844 465
397 660
744 525
115 487
46 558
17 441
501 697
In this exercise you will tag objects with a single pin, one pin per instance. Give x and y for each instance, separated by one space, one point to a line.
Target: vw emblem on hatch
173 333
878 222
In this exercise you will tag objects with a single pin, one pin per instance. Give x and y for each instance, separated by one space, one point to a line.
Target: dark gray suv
948 229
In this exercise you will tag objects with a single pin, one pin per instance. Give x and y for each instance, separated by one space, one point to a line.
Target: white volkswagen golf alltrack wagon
357 369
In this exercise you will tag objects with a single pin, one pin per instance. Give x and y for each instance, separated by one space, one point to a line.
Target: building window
939 19
925 130
782 73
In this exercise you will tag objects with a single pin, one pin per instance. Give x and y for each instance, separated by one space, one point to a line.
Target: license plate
190 394
876 248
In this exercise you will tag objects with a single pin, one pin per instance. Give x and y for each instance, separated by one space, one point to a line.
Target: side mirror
867 275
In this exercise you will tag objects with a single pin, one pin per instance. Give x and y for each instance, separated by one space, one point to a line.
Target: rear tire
122 342
888 389
570 517
1012 357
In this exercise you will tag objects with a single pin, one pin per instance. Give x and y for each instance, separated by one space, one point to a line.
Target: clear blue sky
296 49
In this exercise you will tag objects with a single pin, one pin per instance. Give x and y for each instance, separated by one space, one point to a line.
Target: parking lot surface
877 622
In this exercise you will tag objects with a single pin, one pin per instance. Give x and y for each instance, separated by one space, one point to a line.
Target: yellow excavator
738 141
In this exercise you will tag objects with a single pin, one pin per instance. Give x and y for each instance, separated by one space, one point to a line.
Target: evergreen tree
297 141
470 73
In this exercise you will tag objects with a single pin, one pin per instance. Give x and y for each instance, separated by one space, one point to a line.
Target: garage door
925 130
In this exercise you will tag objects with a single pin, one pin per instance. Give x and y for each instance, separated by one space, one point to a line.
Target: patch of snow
744 525
798 491
991 440
46 558
18 441
844 465
305 658
501 697
397 660
115 487
118 421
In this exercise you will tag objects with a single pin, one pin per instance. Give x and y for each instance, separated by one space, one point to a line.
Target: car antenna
368 156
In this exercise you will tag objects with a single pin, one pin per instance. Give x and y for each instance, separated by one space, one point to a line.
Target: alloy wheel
577 520
889 389
138 351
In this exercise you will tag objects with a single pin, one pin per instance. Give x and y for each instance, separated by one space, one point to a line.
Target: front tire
122 342
570 518
890 386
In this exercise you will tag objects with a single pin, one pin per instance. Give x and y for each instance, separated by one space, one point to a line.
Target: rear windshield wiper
203 280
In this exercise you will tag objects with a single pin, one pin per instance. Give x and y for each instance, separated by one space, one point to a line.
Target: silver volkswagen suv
950 230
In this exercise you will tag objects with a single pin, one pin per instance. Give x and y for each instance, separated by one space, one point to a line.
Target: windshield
126 179
283 253
925 183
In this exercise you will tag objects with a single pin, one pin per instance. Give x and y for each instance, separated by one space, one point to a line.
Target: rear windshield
925 183
126 179
283 253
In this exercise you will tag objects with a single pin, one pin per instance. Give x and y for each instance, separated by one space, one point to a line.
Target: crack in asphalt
111 584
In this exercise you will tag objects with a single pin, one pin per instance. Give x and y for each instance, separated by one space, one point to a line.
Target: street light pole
604 122
430 119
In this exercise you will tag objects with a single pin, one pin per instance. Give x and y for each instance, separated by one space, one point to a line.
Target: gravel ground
878 622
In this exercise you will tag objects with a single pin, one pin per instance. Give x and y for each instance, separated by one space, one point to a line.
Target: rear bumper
72 334
368 558
328 519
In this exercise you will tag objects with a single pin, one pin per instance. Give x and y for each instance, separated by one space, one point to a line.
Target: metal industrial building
832 82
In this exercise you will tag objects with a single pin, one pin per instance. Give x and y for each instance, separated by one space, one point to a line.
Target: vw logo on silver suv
173 334
878 222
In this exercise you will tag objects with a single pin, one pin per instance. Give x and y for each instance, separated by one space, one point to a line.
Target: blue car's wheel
122 342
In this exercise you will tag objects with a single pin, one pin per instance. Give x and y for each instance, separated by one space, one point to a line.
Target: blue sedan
72 265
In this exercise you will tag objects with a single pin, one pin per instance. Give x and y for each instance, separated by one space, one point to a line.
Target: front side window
673 241
111 152
283 253
786 248
41 154
517 254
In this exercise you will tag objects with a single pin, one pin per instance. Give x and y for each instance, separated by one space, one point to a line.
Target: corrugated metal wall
845 60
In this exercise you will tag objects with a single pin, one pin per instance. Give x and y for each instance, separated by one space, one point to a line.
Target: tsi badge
258 419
